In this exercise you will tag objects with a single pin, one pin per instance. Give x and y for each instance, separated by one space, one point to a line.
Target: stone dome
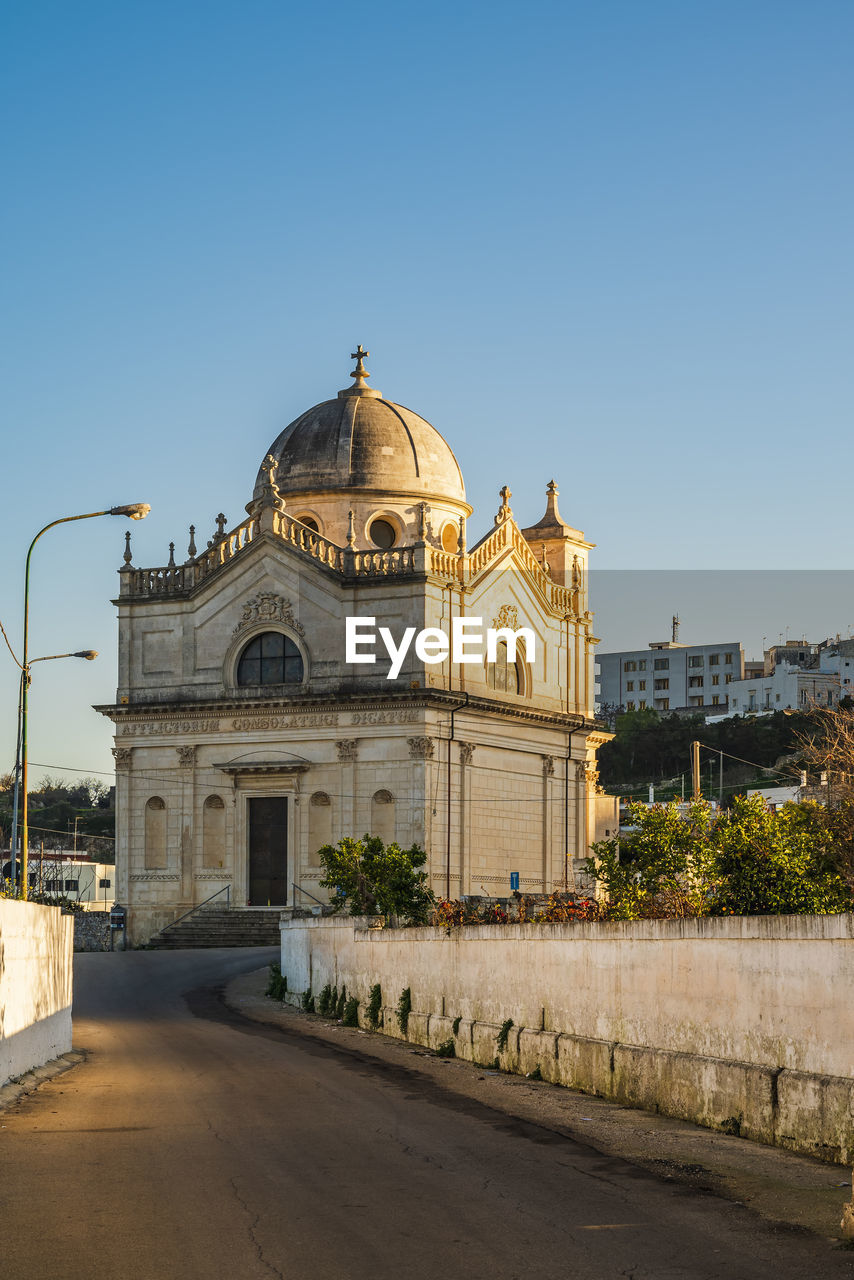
359 441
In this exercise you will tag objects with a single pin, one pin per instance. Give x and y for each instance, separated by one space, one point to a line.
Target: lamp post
135 511
89 655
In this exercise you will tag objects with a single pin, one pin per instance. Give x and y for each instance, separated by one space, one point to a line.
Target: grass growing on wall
501 1038
375 1007
404 1008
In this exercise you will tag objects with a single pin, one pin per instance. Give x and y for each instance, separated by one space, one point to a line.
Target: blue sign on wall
514 881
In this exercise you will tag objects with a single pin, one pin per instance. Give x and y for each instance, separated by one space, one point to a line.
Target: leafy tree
660 867
781 863
371 878
681 860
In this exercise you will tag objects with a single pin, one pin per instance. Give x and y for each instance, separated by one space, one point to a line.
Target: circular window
383 534
451 538
270 658
310 523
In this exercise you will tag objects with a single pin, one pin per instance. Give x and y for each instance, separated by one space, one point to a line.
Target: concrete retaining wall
745 1023
35 986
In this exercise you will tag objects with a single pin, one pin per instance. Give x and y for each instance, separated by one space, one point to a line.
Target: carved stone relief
269 607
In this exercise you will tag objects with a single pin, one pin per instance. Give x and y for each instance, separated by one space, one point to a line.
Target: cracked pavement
194 1142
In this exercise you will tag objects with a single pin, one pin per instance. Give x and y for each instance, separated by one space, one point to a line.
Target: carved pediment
507 616
268 607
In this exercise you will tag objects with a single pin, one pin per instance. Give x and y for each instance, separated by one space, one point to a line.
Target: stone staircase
220 926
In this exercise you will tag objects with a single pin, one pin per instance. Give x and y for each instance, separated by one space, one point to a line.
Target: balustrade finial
191 549
127 555
351 530
171 562
221 522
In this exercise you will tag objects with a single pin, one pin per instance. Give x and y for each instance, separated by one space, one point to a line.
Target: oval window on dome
451 538
270 658
383 534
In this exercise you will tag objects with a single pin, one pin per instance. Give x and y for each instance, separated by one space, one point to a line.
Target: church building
253 727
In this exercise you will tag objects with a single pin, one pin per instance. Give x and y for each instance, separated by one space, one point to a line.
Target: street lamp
89 655
135 511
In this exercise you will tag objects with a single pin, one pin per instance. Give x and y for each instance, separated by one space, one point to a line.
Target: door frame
280 787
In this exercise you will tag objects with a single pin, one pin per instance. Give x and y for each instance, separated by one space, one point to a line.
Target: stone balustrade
173 580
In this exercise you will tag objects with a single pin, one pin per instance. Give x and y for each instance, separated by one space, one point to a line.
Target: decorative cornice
154 875
210 711
237 767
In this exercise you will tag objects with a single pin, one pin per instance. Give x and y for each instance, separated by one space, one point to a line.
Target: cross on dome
359 373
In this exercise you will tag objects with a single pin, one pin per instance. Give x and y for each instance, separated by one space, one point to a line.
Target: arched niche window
271 658
319 823
213 832
503 675
155 834
383 816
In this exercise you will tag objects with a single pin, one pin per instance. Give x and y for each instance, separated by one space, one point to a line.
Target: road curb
17 1088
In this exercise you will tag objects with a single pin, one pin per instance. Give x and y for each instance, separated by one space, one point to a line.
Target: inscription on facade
384 717
155 728
317 720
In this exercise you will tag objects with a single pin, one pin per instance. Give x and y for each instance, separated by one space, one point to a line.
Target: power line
765 768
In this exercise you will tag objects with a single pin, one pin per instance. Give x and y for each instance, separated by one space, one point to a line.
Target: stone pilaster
466 752
124 762
348 755
546 844
187 772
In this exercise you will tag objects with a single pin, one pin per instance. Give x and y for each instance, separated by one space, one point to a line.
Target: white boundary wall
745 1023
35 985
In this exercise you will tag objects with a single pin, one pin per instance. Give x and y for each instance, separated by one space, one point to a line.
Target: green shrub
536 1074
457 1022
501 1038
308 1002
277 987
375 1006
351 1013
375 879
404 1008
341 1003
324 1002
447 1049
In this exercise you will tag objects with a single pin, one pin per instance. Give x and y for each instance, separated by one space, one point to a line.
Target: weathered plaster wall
35 985
744 1022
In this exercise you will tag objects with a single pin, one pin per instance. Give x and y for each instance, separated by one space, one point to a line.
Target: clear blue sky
607 242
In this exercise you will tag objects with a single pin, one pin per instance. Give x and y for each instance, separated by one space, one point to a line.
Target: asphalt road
195 1144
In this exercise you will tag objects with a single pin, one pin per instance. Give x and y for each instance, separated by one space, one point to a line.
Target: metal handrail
300 889
226 890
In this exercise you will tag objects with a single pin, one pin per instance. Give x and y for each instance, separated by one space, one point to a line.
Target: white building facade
796 677
245 740
668 676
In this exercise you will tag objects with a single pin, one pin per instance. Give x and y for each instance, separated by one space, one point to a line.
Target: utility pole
695 770
721 783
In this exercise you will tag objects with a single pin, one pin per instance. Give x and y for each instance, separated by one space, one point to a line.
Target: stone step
220 927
